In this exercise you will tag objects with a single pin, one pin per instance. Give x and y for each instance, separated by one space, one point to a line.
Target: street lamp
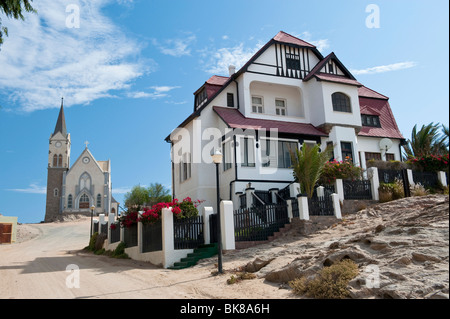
92 216
217 159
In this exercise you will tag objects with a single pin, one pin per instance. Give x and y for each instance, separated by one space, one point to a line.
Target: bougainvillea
431 163
339 170
185 209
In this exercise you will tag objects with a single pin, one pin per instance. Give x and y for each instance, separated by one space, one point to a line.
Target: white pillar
374 182
206 213
336 206
273 194
101 220
289 208
339 189
320 191
167 237
111 219
294 189
249 194
442 178
303 209
410 177
227 225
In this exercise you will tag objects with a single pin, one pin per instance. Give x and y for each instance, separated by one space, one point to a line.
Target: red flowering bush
185 209
129 219
431 163
339 170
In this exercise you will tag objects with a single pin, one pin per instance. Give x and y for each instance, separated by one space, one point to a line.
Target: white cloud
32 189
385 68
121 190
321 44
158 92
43 59
217 61
175 47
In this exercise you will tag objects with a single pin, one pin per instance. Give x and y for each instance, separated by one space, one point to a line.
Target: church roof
61 123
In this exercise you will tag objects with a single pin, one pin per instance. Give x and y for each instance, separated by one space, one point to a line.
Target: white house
285 95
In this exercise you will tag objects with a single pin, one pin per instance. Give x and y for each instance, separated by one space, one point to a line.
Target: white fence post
111 219
101 220
374 182
249 196
273 194
167 236
227 225
294 189
303 209
410 177
207 212
336 206
289 208
339 189
442 178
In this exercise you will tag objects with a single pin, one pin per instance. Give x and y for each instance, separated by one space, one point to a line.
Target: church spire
61 123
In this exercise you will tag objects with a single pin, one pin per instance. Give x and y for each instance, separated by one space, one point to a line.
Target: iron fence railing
188 232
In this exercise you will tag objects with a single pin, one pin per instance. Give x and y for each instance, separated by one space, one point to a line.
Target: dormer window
200 98
370 120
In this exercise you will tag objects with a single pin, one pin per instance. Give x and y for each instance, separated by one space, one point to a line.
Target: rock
257 264
423 257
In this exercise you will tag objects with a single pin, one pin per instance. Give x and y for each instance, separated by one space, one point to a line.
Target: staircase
203 251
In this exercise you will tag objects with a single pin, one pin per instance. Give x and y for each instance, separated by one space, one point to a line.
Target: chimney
231 69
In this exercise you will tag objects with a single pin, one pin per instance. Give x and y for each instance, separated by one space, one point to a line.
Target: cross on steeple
86 143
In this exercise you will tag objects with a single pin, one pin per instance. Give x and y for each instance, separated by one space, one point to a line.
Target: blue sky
129 71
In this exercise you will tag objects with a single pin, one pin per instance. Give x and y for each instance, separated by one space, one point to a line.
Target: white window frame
256 108
249 151
279 110
227 160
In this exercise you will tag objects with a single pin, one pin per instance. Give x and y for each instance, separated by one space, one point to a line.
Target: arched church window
85 181
55 160
60 159
99 200
70 201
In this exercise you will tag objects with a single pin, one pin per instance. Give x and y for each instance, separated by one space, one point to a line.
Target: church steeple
61 123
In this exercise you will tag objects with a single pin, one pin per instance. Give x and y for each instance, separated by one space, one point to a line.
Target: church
76 189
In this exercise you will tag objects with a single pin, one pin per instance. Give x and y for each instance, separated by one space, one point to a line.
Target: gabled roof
284 37
61 122
348 78
234 119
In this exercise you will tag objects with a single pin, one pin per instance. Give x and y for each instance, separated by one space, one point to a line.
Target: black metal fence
389 175
321 206
96 226
294 205
130 236
427 179
258 223
188 232
152 237
264 196
115 233
104 229
285 193
243 201
358 189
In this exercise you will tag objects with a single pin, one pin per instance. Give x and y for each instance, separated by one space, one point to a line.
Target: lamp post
217 159
92 216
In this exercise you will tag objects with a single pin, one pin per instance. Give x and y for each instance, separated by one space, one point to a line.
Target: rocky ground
401 248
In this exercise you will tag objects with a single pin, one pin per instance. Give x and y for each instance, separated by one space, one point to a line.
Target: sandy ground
35 267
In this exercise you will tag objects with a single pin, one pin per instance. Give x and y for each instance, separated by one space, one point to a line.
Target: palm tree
426 141
308 163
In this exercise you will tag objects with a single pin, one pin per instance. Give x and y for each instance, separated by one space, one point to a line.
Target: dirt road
46 267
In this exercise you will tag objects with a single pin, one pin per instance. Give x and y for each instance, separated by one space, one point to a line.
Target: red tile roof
287 38
234 119
366 92
336 78
388 128
217 80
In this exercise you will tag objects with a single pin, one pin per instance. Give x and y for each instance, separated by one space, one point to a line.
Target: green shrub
119 252
329 283
92 242
391 191
239 277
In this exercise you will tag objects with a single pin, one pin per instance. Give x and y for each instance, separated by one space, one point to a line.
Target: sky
127 70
